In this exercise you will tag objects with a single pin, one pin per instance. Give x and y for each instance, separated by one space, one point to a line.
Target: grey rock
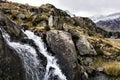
84 47
60 42
21 16
56 21
118 58
50 21
88 61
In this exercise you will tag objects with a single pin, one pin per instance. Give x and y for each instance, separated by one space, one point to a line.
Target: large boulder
61 44
84 47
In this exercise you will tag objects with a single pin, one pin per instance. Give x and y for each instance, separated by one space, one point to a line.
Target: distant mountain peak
109 22
105 17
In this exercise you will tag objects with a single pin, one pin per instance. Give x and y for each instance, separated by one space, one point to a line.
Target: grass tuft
112 68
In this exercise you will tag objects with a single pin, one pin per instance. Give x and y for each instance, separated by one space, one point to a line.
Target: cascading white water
31 62
51 61
28 55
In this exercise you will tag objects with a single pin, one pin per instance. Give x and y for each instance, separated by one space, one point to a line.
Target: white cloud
84 14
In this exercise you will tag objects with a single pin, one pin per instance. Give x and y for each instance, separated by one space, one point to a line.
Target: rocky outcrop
61 44
90 27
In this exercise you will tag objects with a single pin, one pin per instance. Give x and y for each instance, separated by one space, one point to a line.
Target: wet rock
11 67
84 47
62 46
24 27
10 27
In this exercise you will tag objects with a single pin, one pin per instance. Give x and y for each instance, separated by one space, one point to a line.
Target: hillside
83 51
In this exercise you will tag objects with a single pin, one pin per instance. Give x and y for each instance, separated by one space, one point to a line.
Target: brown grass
112 68
107 46
98 62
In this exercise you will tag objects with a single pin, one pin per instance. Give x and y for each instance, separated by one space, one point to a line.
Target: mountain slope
109 23
81 48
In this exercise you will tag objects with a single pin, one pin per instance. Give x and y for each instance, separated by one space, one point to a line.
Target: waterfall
27 54
51 61
30 58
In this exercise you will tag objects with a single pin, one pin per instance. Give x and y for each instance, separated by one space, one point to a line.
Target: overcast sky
84 8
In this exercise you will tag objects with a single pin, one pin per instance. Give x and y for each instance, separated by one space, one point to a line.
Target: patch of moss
98 62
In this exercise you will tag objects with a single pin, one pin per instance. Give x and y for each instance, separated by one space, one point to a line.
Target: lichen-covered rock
61 44
84 47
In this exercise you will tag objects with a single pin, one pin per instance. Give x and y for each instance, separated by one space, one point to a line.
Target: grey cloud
91 6
76 6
